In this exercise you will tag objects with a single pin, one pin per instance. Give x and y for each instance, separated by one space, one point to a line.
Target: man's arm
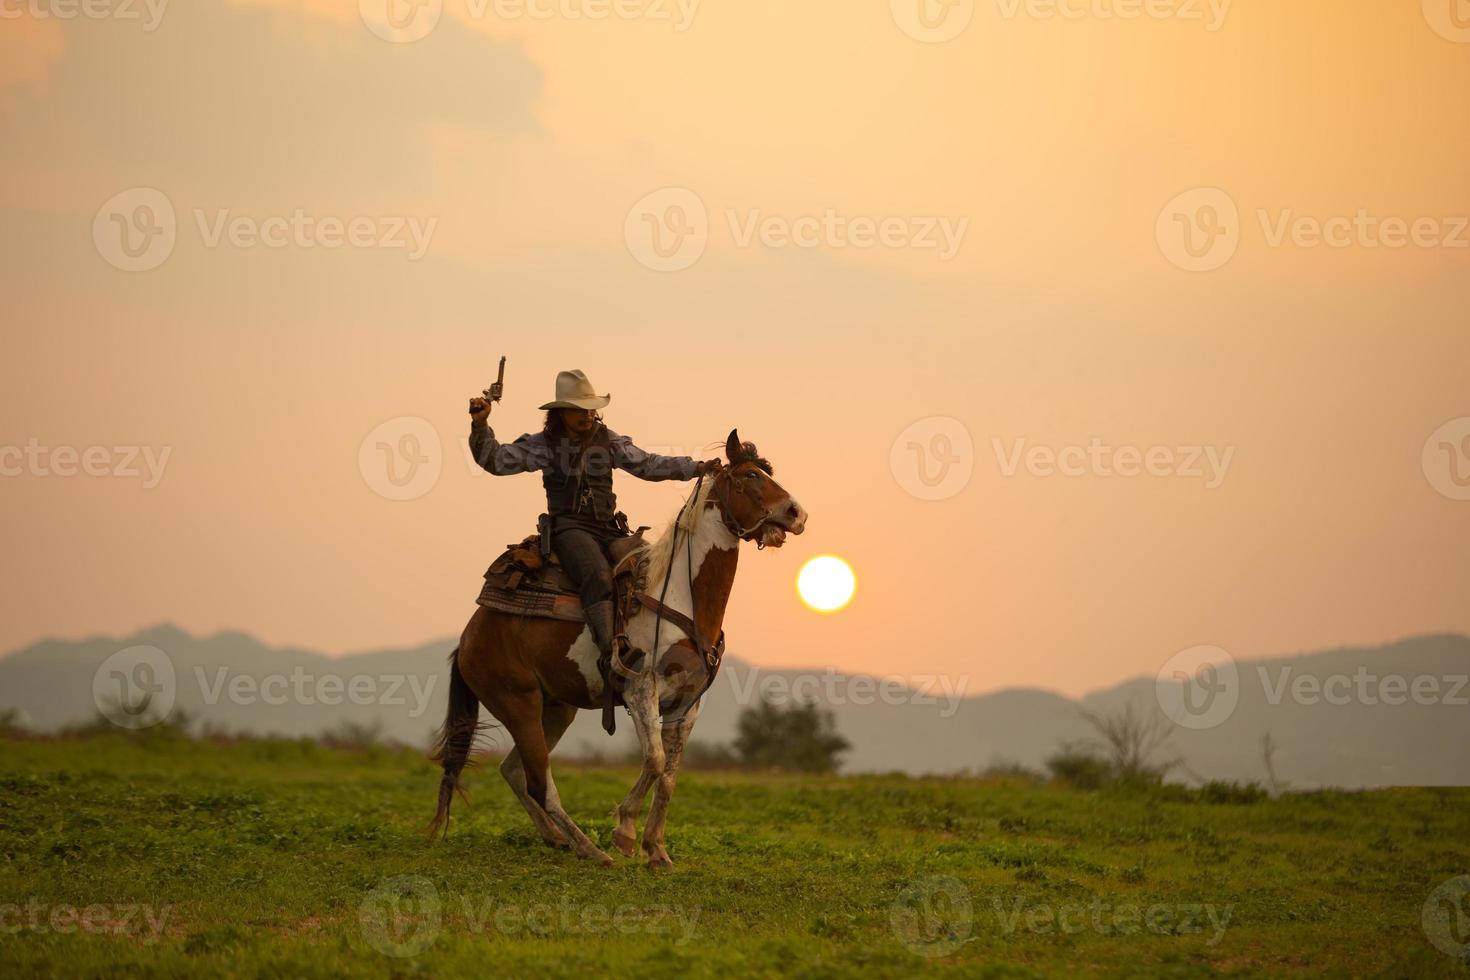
527 454
652 466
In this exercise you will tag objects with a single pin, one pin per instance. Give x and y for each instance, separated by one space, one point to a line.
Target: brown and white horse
534 674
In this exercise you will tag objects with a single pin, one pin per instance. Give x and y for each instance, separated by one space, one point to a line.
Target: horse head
751 503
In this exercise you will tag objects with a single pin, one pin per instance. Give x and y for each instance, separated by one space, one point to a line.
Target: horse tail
453 745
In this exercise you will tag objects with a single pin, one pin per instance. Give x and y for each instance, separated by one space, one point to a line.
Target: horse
534 674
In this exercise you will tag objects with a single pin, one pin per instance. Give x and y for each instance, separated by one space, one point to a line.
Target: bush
1217 791
801 737
1080 768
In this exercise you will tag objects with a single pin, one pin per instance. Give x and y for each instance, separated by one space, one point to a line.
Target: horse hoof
660 863
626 845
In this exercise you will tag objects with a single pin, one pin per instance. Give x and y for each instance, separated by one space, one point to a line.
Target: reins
658 615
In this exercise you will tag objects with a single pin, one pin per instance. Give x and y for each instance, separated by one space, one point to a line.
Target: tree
800 737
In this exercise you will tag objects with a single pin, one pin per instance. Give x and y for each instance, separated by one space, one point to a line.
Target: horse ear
732 445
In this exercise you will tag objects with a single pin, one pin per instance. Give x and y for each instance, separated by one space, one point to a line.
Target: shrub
1080 768
801 737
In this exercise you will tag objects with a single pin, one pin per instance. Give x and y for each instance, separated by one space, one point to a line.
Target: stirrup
616 662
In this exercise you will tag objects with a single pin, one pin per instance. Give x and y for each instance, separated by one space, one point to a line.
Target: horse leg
625 835
525 726
555 719
641 697
674 738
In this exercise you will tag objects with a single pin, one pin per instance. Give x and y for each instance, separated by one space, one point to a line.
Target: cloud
252 100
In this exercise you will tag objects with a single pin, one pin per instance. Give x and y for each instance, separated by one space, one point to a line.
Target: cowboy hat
573 390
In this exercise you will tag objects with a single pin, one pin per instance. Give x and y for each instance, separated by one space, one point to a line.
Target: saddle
529 582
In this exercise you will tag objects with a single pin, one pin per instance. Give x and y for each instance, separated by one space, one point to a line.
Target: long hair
553 427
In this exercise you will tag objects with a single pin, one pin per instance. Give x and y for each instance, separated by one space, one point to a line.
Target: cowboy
575 453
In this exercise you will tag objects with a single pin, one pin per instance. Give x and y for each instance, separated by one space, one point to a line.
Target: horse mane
660 550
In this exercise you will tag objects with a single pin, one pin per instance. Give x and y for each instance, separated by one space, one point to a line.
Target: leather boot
600 618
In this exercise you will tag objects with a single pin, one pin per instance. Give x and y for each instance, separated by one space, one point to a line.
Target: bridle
712 654
722 492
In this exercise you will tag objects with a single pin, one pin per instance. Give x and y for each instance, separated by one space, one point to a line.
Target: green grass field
168 857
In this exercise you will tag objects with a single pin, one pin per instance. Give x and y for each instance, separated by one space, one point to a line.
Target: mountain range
1395 714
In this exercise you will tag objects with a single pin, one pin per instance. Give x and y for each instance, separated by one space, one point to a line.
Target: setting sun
826 583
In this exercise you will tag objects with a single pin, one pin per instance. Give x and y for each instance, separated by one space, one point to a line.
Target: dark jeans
581 554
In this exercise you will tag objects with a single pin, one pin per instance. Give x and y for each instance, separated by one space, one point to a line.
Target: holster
543 527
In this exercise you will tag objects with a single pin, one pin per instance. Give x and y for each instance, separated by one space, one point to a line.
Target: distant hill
1354 744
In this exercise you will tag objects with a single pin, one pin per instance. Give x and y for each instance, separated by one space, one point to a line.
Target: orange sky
519 145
